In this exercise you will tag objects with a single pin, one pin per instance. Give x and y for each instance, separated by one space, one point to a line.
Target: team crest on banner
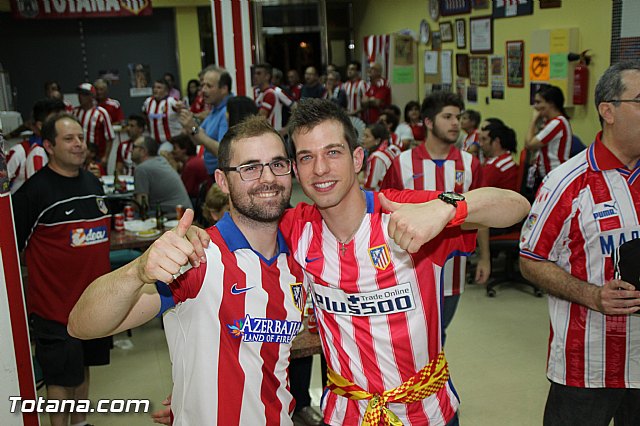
380 257
134 6
102 206
298 296
459 177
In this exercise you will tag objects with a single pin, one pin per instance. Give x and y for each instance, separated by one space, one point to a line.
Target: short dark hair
395 109
379 131
492 120
42 108
437 101
49 83
311 112
184 142
507 136
163 82
473 116
49 131
357 64
265 66
140 121
150 145
250 127
392 119
408 107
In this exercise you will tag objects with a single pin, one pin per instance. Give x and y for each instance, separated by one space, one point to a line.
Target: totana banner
56 9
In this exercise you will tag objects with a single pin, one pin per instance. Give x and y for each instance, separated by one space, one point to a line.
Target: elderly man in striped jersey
585 209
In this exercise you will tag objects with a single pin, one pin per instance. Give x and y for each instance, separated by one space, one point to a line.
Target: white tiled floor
496 349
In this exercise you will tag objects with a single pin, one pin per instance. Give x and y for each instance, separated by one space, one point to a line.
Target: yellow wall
187 37
592 17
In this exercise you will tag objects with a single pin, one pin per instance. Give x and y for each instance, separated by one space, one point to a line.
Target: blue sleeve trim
166 297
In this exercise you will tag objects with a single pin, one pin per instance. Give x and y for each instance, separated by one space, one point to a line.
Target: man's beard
249 205
443 136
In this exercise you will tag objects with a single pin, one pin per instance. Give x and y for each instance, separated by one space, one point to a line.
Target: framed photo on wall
454 7
461 34
479 70
462 65
515 63
446 31
481 34
506 9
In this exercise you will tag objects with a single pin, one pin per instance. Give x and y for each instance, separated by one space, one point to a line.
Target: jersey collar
235 239
454 153
601 158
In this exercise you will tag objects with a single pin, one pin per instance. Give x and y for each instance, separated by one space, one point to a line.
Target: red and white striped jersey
583 211
556 140
114 109
380 89
124 156
355 90
17 165
378 307
459 172
36 160
271 100
470 140
500 172
230 334
377 165
295 92
163 118
96 125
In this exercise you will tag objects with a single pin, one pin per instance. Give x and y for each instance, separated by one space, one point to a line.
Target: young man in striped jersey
95 121
437 165
585 209
162 112
373 279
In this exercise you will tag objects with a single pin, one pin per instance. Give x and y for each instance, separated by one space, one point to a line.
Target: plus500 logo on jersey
381 302
88 236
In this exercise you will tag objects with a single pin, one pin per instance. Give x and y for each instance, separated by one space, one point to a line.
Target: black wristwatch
195 130
451 198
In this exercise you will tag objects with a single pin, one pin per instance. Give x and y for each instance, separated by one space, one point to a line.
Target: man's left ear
358 158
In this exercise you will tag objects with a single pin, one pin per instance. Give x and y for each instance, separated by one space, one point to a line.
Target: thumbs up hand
174 249
413 225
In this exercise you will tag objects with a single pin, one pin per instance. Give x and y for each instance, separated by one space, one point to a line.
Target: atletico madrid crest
459 177
298 296
380 257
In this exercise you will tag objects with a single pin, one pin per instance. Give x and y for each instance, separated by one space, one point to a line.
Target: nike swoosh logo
235 290
313 259
68 212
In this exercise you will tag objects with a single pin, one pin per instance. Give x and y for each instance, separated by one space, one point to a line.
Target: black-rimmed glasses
254 171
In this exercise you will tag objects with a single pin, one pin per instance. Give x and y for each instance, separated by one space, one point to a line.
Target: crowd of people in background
172 144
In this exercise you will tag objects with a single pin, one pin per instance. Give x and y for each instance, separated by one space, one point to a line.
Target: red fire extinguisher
581 80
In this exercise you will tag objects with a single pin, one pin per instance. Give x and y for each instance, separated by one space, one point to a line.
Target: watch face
434 9
425 32
453 196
